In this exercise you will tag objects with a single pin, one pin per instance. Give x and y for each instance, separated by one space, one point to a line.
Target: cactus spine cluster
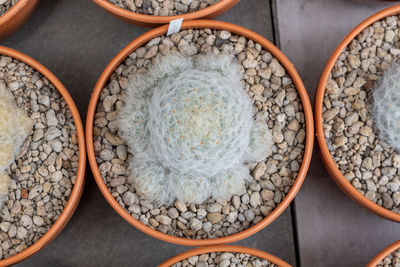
386 106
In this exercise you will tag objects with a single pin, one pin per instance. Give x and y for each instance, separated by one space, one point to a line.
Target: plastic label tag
174 26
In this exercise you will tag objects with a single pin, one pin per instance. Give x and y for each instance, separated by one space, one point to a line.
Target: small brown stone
214 217
24 193
113 139
368 85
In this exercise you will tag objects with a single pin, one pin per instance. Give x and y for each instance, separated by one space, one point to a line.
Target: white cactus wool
189 124
15 126
386 106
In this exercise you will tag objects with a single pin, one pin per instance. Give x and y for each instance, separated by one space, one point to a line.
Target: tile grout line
295 233
276 40
274 18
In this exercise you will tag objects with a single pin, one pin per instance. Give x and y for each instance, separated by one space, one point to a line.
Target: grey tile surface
75 39
333 230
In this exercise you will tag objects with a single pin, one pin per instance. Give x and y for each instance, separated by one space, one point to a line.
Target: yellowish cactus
4 184
15 126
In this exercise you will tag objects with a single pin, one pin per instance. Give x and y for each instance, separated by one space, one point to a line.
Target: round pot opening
77 188
215 25
226 248
340 54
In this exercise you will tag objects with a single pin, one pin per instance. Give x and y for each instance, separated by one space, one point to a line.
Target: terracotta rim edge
13 11
80 176
225 248
121 56
151 19
319 97
383 254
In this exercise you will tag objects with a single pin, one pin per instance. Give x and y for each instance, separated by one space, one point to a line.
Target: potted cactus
356 114
42 156
202 137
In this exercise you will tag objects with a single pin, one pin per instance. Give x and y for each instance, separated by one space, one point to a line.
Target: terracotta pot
16 16
143 39
225 248
383 254
153 21
76 193
319 97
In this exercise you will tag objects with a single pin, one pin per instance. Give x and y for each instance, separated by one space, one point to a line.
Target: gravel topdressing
163 7
392 260
44 171
5 5
277 103
367 162
224 259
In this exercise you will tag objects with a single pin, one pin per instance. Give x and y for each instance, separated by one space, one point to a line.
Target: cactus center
197 120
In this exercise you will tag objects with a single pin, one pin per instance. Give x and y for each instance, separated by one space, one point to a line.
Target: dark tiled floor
76 40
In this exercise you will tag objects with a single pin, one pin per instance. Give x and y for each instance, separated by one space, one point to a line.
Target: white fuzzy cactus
15 126
386 106
189 124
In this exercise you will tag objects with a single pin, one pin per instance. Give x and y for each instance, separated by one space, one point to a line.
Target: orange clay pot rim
383 254
13 11
225 248
319 97
141 40
130 15
80 176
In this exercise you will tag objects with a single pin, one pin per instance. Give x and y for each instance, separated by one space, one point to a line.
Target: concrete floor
76 40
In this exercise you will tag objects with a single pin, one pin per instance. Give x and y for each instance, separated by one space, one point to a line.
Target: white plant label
174 26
